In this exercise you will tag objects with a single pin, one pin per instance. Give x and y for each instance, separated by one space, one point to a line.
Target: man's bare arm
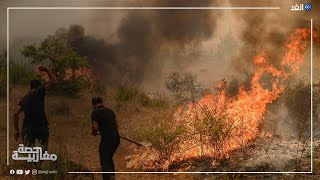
16 123
52 78
94 128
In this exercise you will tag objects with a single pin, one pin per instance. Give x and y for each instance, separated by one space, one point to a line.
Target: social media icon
12 171
34 172
19 171
27 172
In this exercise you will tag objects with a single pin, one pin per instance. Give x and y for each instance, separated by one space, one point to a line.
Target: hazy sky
245 25
40 23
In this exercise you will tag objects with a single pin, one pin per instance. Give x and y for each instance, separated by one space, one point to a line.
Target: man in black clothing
104 121
35 124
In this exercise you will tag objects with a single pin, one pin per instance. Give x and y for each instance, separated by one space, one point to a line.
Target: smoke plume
140 37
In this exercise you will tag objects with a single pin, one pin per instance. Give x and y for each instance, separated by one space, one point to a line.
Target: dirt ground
70 128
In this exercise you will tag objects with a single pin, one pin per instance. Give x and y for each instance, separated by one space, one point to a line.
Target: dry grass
72 129
70 135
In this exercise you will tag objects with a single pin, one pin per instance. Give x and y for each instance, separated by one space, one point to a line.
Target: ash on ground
272 154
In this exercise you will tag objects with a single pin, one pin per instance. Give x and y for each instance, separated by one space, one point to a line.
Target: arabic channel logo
308 7
32 154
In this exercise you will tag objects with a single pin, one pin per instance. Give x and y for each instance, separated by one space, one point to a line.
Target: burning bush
166 138
179 136
235 82
212 130
217 124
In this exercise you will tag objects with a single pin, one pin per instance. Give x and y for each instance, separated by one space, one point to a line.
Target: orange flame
241 114
84 73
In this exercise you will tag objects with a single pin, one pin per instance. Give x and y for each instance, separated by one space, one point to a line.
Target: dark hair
34 84
96 100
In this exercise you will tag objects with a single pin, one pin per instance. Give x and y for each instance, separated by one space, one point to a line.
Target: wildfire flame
84 73
239 116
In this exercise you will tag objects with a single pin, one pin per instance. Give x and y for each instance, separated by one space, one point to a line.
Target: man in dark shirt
35 124
104 121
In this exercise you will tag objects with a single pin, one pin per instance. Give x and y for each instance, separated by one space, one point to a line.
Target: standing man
35 124
104 121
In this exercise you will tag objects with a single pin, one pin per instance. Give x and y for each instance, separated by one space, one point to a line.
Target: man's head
34 84
96 101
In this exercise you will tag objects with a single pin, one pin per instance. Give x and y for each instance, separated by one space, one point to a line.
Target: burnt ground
70 138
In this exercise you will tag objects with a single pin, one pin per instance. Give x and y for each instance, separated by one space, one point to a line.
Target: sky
246 27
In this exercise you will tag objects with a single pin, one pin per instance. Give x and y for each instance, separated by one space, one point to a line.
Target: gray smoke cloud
138 41
140 37
265 31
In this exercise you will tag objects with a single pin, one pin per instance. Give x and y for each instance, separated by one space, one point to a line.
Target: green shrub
184 86
165 137
126 93
160 102
131 93
156 102
98 88
21 74
144 100
68 87
3 59
3 83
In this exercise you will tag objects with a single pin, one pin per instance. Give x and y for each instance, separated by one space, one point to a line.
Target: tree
63 60
58 53
184 86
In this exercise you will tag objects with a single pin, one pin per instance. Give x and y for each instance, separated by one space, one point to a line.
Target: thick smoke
140 37
185 26
265 31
